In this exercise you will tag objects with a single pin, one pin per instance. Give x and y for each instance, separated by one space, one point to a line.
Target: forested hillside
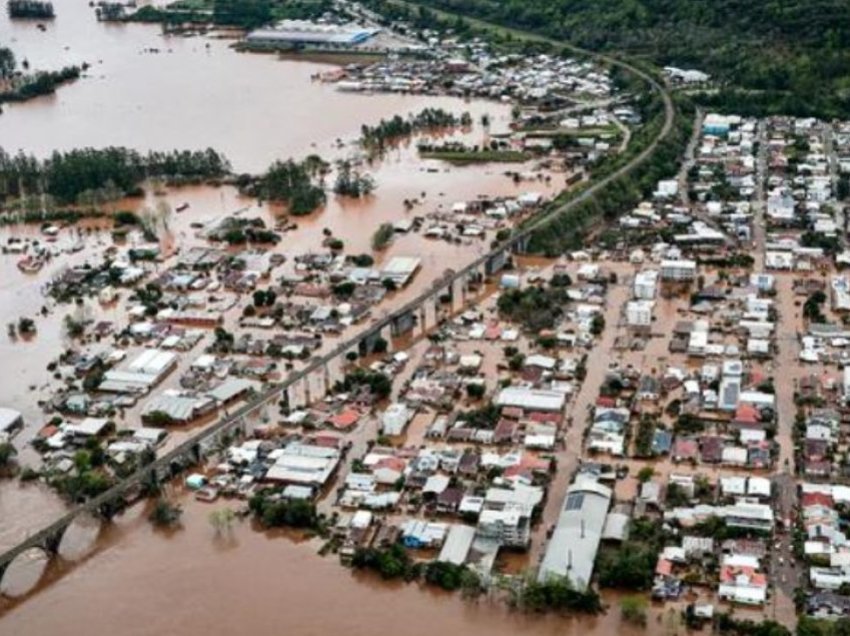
791 55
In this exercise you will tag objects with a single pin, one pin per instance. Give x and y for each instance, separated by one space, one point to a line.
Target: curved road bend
567 458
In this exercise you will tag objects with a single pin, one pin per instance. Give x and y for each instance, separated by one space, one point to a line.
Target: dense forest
247 14
67 175
788 56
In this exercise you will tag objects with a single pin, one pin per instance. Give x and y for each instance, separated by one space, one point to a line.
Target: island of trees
18 87
30 9
296 184
388 131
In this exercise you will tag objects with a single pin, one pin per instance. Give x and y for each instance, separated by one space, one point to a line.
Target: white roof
572 549
9 419
530 399
457 545
89 427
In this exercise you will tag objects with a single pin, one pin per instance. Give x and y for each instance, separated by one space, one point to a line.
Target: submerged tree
165 514
222 520
350 182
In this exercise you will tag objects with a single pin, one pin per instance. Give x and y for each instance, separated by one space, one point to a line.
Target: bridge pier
496 262
317 384
458 294
520 245
297 394
334 372
400 325
369 342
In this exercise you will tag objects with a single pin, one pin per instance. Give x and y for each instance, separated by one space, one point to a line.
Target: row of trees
279 513
393 562
7 62
535 308
387 131
568 231
250 14
67 175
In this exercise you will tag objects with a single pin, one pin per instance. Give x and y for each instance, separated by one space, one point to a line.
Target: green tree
382 236
7 456
633 610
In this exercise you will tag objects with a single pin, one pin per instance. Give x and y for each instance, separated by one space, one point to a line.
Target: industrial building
304 464
572 549
143 373
531 399
400 269
301 33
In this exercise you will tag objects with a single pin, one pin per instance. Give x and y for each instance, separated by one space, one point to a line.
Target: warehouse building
300 33
572 549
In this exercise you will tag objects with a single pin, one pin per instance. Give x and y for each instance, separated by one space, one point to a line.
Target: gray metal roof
572 549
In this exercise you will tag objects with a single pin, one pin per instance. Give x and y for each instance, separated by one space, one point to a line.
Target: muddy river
194 581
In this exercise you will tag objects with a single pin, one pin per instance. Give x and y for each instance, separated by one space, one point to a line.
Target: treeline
30 9
794 54
393 562
568 231
40 83
376 138
246 14
67 175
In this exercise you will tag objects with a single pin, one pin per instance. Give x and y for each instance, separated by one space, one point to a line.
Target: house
11 421
639 313
741 582
711 449
396 418
828 605
505 515
685 449
649 389
419 534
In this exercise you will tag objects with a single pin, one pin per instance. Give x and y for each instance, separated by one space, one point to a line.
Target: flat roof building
531 399
306 33
304 464
400 269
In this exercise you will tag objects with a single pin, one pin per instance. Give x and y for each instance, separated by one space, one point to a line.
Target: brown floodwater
193 581
194 93
147 90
